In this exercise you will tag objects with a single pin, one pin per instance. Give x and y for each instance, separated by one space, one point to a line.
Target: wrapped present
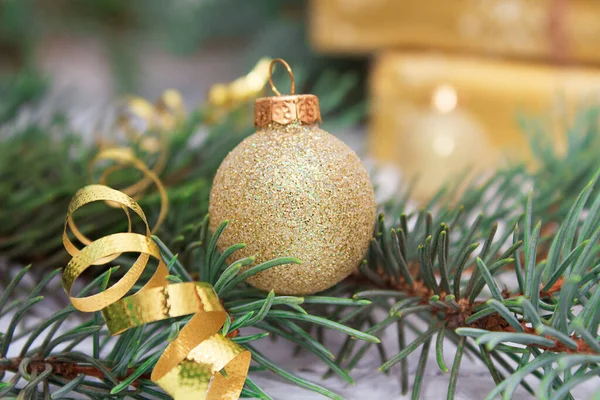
547 29
436 115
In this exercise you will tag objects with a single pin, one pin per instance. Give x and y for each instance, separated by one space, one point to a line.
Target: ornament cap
286 109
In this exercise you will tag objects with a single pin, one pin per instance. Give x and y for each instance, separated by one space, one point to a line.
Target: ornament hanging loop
286 109
289 70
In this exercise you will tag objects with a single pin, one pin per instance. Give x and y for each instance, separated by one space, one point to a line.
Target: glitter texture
295 191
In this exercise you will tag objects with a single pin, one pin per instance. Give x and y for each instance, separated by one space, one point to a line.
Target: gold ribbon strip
189 367
160 118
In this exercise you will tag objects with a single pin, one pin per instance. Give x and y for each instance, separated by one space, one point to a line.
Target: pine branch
18 90
121 367
444 270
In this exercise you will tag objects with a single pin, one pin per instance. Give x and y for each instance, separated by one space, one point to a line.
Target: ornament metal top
292 189
284 110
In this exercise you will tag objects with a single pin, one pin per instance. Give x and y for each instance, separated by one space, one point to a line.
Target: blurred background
431 88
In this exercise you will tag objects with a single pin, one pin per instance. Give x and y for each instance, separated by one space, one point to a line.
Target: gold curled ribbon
189 367
166 114
162 117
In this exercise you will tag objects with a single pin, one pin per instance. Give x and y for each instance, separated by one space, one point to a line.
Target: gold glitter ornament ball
293 190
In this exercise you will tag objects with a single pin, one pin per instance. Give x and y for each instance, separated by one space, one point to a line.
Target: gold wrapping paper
548 29
435 116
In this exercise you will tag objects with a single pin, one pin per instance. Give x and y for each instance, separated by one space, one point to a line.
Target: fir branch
436 275
507 318
121 367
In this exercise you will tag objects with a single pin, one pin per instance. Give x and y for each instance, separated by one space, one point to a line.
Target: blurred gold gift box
547 29
435 115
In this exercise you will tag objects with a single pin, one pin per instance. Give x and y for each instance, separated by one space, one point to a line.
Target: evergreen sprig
50 362
445 272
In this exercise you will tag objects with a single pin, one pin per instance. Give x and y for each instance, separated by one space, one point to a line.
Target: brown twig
64 369
457 318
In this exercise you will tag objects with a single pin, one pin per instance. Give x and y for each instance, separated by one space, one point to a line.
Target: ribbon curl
190 365
160 118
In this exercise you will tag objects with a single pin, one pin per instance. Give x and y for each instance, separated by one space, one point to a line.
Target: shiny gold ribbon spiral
189 367
160 118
